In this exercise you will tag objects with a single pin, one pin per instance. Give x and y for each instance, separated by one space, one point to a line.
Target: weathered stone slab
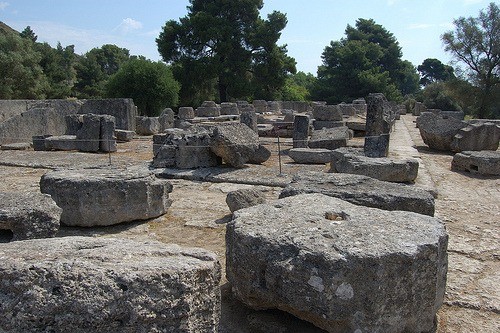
261 155
481 162
362 190
147 125
438 133
377 146
320 124
85 284
88 135
244 198
124 136
235 143
310 156
383 168
61 142
208 109
29 215
184 149
330 138
106 196
186 112
16 146
343 267
327 113
39 142
479 136
249 118
300 131
107 139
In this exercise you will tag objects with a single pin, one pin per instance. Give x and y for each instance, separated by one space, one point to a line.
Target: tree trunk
485 101
222 91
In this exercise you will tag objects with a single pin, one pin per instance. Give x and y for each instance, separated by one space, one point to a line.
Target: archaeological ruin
262 216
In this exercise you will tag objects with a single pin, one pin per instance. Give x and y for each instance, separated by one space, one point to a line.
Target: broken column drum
300 131
377 127
106 196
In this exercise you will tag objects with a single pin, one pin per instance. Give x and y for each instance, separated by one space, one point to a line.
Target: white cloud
420 26
128 24
4 5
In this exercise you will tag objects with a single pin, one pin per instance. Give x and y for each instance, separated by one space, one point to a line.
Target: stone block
249 118
320 124
29 215
327 113
106 196
260 106
74 123
310 156
343 267
300 131
261 155
363 191
377 115
330 138
436 132
16 146
377 146
147 125
208 109
234 143
383 168
244 198
347 109
62 142
166 119
107 285
229 109
186 112
123 109
124 136
88 136
39 142
107 139
479 162
479 136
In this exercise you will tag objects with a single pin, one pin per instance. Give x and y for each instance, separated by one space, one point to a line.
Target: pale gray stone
330 138
166 119
343 267
107 139
229 109
320 124
362 190
85 284
244 198
300 131
88 135
106 196
327 113
234 143
310 156
186 112
16 146
438 133
479 162
124 136
249 118
147 125
29 215
62 142
261 155
383 168
479 136
208 109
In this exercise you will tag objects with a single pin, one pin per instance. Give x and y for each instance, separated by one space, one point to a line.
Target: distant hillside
5 29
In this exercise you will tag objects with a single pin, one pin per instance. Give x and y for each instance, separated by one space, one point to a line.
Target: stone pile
106 196
343 267
86 284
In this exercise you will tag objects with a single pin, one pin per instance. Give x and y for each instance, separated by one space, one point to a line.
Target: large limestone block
147 125
362 190
166 119
186 112
330 138
382 168
106 196
235 143
244 198
479 136
327 113
208 109
85 284
107 137
310 156
29 215
62 142
485 162
438 133
88 135
343 267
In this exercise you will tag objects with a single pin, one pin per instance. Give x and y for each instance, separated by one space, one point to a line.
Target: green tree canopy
475 42
95 67
150 84
227 47
367 60
22 76
58 66
432 70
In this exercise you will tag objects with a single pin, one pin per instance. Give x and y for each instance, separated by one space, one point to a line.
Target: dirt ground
469 206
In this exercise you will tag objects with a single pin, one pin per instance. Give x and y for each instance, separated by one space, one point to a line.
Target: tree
475 42
432 70
22 76
298 87
439 95
225 46
29 34
367 60
95 67
58 66
150 84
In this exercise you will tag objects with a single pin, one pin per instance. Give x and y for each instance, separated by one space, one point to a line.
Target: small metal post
279 154
109 151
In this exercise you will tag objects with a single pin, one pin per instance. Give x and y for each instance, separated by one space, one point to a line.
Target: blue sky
312 24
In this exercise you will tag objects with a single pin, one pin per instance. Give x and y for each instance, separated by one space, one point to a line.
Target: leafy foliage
432 70
150 84
475 42
225 48
439 95
367 60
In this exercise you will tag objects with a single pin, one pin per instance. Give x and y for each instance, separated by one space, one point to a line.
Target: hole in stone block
474 167
335 216
6 235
